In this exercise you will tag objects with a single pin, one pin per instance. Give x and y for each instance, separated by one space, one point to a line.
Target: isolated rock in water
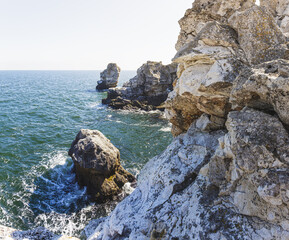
207 68
109 77
97 165
204 11
259 35
147 90
211 185
265 87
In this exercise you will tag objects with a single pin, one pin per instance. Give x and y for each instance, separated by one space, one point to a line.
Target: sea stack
147 90
109 77
97 165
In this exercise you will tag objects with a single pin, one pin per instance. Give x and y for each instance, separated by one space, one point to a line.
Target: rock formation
97 165
211 58
109 77
225 175
147 90
280 11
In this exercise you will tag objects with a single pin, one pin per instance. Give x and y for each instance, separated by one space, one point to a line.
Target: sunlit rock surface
147 90
109 77
97 165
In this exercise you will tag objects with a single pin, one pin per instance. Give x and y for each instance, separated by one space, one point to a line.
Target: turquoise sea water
40 114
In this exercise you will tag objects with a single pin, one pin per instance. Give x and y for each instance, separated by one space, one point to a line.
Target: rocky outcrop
211 185
207 69
259 35
147 90
97 165
211 59
109 77
264 87
204 11
280 10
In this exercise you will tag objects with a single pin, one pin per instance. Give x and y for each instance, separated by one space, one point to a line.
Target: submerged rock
97 165
109 77
147 90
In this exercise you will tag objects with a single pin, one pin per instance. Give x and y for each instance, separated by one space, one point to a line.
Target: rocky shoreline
226 173
147 91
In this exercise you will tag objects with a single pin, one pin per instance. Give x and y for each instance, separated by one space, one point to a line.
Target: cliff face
225 175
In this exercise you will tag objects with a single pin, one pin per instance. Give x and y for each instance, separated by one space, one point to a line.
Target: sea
40 114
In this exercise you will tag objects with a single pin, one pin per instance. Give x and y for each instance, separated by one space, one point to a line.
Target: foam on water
41 113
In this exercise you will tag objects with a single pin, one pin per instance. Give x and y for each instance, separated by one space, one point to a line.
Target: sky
87 34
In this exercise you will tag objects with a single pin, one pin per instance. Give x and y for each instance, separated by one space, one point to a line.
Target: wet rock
147 90
259 35
109 77
97 165
264 87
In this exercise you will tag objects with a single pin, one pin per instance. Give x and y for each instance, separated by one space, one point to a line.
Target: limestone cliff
225 175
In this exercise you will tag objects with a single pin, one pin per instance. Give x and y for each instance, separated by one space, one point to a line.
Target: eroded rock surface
265 87
259 35
147 90
204 11
280 10
228 37
207 68
211 185
109 77
97 165
225 175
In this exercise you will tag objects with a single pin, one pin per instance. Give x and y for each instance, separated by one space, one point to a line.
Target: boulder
204 11
264 87
109 77
280 10
97 165
251 166
259 35
147 90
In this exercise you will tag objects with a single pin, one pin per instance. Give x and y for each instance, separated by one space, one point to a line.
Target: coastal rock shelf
97 165
109 77
225 175
147 90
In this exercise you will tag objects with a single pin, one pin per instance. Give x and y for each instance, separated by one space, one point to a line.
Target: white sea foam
165 129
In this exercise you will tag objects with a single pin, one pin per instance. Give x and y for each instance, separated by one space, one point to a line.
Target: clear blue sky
87 34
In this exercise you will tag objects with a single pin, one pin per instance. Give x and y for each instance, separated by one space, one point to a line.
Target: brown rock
97 165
